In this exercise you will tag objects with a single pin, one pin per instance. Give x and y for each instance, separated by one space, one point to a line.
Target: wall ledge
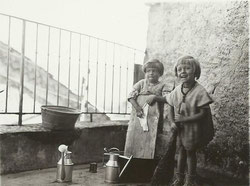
38 127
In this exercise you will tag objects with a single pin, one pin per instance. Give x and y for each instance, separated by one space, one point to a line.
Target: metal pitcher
65 167
112 169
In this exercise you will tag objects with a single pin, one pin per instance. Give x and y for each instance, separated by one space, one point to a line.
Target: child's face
185 73
152 75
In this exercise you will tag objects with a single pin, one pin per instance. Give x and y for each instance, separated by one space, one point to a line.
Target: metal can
65 168
112 169
93 167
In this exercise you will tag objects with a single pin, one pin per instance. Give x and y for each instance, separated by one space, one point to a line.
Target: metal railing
63 67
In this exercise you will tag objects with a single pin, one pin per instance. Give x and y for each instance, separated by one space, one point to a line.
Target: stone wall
216 33
32 147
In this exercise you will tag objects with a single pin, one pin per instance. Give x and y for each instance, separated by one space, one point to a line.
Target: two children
191 117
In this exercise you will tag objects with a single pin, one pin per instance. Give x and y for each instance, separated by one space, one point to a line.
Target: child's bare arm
171 118
160 99
138 109
174 125
153 98
194 117
171 114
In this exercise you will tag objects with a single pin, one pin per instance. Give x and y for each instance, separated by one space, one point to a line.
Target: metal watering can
64 165
112 169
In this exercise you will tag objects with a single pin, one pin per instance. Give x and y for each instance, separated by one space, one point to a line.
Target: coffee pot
64 165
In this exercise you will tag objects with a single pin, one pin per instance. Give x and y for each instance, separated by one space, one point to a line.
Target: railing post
22 77
35 76
58 68
47 71
96 82
113 68
88 71
105 77
8 69
120 71
91 117
79 73
69 68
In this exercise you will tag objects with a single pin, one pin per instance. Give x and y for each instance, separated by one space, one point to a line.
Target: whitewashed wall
216 33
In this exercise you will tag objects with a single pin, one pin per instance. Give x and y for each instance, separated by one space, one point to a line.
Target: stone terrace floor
82 177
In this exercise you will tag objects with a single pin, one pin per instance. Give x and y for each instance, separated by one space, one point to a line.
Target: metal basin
59 117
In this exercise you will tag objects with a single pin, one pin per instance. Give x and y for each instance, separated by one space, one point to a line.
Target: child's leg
191 168
182 158
191 162
181 164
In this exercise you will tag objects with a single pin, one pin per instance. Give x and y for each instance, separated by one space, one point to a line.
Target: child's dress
198 133
141 140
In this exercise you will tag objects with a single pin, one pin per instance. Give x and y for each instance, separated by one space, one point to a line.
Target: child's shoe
190 180
179 180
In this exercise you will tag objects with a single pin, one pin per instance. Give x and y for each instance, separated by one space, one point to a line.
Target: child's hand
174 127
179 118
151 99
139 112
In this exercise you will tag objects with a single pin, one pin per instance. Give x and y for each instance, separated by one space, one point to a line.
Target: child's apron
139 143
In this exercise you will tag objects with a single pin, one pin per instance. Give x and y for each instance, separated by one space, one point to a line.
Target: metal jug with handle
112 169
64 166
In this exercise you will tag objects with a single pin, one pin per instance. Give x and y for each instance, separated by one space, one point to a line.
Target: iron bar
105 76
126 85
88 76
69 67
79 79
8 68
91 117
34 103
134 67
22 76
47 80
96 83
120 82
113 66
58 68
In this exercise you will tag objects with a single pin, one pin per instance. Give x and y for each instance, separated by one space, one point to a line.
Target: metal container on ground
93 167
65 168
112 169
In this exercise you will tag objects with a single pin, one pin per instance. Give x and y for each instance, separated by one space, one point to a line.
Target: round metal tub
59 117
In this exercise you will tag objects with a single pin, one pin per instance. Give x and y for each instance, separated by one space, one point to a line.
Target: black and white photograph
124 93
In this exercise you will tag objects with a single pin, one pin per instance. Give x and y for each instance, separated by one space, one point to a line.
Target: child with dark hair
147 112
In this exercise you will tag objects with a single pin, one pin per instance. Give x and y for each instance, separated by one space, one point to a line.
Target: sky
122 21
